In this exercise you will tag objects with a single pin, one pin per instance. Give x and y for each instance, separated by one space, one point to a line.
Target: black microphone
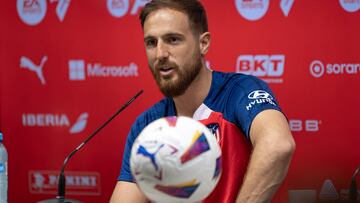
60 198
353 187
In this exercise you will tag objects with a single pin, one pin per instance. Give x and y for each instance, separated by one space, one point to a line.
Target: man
254 136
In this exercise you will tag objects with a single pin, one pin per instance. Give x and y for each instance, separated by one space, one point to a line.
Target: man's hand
273 146
126 192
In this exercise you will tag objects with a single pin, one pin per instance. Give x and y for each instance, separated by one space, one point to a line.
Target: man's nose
162 51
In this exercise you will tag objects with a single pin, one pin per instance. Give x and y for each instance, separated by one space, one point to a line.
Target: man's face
172 50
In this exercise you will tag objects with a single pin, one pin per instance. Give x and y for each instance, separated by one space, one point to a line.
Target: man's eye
173 40
151 43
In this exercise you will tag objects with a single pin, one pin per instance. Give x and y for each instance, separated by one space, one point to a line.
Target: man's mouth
166 71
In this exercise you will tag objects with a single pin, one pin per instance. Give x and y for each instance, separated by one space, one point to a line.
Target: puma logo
25 62
142 150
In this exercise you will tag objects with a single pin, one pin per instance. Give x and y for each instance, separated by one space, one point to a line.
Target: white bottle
3 172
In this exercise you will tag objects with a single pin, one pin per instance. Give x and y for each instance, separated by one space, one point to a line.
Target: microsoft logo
77 70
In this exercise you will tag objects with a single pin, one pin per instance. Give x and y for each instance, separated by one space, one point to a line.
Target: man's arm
126 192
273 146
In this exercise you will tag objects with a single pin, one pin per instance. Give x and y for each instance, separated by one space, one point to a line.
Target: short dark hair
192 8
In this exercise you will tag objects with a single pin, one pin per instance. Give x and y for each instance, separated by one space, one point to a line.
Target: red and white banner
68 65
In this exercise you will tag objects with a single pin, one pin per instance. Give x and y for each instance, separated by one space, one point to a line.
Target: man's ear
204 44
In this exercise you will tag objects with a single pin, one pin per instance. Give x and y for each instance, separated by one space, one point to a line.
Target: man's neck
195 95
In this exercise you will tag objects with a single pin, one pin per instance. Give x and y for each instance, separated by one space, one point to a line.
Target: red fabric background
323 111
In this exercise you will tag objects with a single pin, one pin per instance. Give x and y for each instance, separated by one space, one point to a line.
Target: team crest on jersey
214 128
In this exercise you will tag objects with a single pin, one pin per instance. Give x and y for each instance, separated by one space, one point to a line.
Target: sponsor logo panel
45 120
77 182
269 68
320 69
27 63
350 6
61 8
119 8
79 70
304 125
33 12
252 9
286 6
317 69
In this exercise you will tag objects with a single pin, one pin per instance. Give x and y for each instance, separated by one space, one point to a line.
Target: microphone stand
353 188
60 198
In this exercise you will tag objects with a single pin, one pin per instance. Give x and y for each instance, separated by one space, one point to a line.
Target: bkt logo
32 12
119 8
318 69
255 9
55 120
269 67
350 6
80 183
259 97
297 125
77 71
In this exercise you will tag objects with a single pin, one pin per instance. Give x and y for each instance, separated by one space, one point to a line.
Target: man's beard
172 88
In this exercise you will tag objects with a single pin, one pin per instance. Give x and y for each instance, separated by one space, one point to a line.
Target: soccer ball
176 159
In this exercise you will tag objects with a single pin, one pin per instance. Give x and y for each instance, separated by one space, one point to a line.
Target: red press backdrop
68 65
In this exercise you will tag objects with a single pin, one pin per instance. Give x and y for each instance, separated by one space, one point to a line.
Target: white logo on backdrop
80 124
78 71
307 125
319 69
39 181
31 12
119 8
55 120
286 6
350 5
78 182
38 69
61 8
252 9
269 66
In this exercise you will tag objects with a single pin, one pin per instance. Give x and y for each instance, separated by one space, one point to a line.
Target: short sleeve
251 96
155 112
125 172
